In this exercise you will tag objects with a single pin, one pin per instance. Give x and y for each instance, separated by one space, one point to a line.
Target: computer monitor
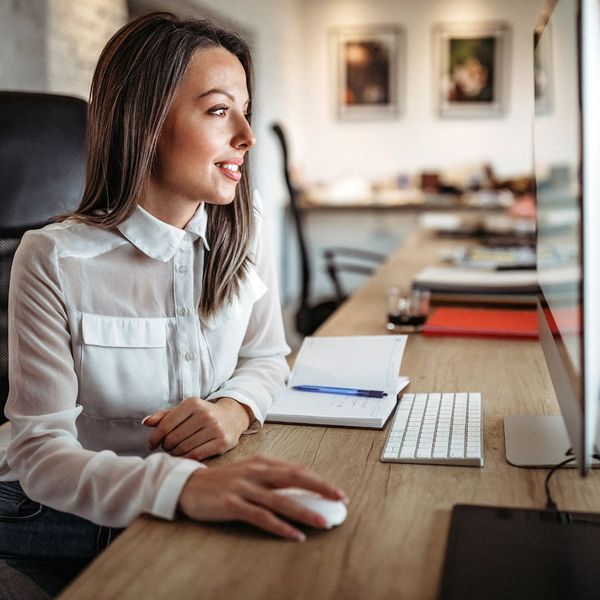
567 176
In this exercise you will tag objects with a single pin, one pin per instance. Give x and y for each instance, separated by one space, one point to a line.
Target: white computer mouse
333 511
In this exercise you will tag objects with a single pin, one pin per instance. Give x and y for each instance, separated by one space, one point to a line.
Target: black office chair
41 175
310 316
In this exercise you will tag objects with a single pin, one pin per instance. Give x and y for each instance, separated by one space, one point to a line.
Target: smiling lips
230 169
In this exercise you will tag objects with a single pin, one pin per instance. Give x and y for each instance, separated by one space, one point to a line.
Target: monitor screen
566 188
567 177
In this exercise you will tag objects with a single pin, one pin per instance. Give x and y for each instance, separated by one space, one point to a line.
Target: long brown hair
132 89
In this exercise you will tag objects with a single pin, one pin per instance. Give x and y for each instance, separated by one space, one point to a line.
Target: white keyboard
437 429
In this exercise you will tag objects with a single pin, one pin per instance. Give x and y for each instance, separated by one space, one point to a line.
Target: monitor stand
536 441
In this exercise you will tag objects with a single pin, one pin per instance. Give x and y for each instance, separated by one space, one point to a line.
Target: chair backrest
42 138
297 218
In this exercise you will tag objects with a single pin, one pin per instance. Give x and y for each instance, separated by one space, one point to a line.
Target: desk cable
550 503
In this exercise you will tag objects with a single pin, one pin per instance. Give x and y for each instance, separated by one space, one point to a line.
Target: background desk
377 227
392 544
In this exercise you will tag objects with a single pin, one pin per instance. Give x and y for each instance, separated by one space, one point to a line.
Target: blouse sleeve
44 452
262 369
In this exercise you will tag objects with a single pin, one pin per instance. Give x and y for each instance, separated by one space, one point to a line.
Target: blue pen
340 391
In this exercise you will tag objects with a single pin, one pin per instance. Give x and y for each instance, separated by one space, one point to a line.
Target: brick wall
53 45
76 33
22 45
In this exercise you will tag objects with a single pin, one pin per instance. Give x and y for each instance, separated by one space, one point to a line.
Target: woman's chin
221 200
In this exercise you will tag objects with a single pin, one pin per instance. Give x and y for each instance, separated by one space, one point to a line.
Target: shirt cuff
167 498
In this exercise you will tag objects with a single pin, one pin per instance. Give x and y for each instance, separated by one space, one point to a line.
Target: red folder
482 322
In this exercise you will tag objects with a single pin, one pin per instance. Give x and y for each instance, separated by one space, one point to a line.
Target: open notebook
358 362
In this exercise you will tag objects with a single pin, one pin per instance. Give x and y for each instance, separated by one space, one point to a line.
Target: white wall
419 139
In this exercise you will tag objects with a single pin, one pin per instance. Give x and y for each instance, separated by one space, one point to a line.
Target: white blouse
104 330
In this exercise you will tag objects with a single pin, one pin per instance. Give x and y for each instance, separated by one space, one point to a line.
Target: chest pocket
225 330
124 368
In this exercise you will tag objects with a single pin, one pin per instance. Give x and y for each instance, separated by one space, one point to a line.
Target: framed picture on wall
542 71
471 69
368 64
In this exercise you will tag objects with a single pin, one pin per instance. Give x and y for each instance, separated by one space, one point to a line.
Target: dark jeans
41 549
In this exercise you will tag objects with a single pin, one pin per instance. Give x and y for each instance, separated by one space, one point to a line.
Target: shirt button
182 269
183 312
189 356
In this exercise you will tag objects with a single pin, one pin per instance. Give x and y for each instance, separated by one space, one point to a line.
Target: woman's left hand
197 428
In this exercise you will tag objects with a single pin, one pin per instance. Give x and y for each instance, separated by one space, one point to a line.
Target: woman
145 329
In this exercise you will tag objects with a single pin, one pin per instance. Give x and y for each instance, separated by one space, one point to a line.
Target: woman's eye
219 111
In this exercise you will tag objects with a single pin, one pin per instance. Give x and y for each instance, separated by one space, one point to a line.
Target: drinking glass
407 311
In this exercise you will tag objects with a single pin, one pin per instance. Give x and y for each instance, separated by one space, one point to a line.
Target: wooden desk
409 200
392 544
368 225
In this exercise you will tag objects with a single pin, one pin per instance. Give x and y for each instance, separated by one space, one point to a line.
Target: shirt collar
158 239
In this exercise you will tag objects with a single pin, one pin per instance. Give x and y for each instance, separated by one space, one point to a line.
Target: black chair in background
310 315
42 140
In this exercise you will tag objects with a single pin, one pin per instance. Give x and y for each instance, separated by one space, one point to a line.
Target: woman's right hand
244 491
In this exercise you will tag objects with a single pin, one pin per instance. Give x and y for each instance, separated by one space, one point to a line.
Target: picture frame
471 69
367 68
542 71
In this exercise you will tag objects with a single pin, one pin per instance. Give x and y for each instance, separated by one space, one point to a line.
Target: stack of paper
472 280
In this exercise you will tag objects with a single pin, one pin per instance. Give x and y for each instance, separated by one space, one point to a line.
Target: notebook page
363 362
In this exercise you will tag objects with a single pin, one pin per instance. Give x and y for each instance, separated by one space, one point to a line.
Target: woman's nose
244 137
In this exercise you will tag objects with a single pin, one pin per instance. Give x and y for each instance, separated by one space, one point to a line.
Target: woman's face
205 136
